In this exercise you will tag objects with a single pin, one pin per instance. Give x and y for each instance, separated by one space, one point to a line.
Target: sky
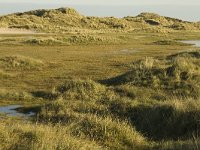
111 2
182 9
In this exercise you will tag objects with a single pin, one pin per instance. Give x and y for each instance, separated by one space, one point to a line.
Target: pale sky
183 9
111 2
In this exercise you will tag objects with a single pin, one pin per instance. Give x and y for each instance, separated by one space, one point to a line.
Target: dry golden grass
61 73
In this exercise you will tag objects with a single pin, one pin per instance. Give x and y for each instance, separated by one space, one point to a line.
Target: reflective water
11 110
195 42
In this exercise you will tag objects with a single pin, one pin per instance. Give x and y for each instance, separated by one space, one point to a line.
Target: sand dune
15 31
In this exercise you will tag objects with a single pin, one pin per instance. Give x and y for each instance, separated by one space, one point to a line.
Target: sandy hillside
15 31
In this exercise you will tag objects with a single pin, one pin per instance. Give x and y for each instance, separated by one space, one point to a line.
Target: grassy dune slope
64 20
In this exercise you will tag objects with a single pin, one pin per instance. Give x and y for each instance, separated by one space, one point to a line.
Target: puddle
11 110
196 43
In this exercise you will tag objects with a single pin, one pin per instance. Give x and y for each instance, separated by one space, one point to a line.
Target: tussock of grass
111 134
177 75
89 39
44 41
81 90
135 93
15 95
105 131
20 62
22 135
165 121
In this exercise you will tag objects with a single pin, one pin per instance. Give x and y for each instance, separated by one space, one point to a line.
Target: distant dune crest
64 20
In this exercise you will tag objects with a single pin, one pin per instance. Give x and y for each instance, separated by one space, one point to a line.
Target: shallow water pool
11 110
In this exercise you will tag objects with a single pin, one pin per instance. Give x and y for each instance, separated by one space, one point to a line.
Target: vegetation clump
92 39
15 95
162 117
81 90
44 41
24 135
20 62
176 75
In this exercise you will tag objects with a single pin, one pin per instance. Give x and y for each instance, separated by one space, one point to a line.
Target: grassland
113 89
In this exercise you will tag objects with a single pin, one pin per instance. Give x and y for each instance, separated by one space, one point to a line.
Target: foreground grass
23 135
